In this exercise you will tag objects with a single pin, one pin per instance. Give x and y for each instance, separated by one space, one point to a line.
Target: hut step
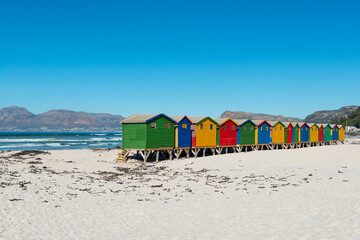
121 156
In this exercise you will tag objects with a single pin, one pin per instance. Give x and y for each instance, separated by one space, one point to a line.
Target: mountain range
258 116
18 117
324 116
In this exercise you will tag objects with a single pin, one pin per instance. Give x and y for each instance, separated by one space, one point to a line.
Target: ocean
58 140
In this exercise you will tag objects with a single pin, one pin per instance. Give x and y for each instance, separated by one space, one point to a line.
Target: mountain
353 119
326 116
18 117
258 116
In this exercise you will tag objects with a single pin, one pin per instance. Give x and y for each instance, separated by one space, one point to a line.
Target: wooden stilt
157 156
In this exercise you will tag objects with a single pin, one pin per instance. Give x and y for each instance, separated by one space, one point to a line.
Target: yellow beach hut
203 131
341 133
278 132
314 132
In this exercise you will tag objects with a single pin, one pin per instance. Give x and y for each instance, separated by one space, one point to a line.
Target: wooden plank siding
304 133
278 133
314 133
297 133
247 133
206 133
264 133
160 136
327 133
335 133
134 136
342 133
228 133
321 133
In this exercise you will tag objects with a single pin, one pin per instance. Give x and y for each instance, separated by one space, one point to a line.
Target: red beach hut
227 131
321 132
288 132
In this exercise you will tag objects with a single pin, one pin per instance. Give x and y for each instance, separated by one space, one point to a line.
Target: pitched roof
312 124
197 120
333 125
247 120
221 121
259 122
302 124
144 118
273 123
240 121
179 118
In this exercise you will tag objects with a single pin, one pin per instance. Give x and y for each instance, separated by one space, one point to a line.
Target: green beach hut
247 132
148 131
296 133
327 132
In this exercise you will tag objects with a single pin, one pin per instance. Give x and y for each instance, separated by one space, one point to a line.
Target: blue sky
180 57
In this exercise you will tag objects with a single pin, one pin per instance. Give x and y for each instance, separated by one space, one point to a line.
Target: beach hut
238 130
335 132
148 131
247 132
304 132
327 132
314 132
321 132
182 131
263 129
227 133
204 131
278 132
289 132
296 132
341 133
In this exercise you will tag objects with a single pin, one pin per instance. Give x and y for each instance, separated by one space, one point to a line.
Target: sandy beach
309 193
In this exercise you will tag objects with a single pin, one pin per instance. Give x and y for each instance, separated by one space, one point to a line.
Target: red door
193 135
321 134
289 134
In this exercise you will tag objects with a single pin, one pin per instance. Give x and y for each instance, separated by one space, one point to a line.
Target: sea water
58 140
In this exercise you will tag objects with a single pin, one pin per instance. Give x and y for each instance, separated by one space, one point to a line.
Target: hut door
193 135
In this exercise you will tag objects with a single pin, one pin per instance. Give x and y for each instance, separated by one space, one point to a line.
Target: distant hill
326 116
258 116
18 117
353 119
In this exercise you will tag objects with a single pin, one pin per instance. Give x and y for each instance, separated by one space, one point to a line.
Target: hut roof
144 118
240 121
179 118
288 123
302 124
247 120
221 121
273 123
197 120
259 122
312 124
333 125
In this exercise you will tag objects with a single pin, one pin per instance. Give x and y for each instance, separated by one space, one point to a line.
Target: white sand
310 193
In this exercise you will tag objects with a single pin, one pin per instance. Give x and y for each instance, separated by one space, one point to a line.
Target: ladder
121 156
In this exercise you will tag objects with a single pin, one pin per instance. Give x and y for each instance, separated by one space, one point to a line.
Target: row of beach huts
152 133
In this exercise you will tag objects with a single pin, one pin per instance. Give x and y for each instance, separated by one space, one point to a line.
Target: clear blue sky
180 57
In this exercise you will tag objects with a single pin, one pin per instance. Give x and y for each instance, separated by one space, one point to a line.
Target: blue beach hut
263 131
335 132
304 132
182 131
